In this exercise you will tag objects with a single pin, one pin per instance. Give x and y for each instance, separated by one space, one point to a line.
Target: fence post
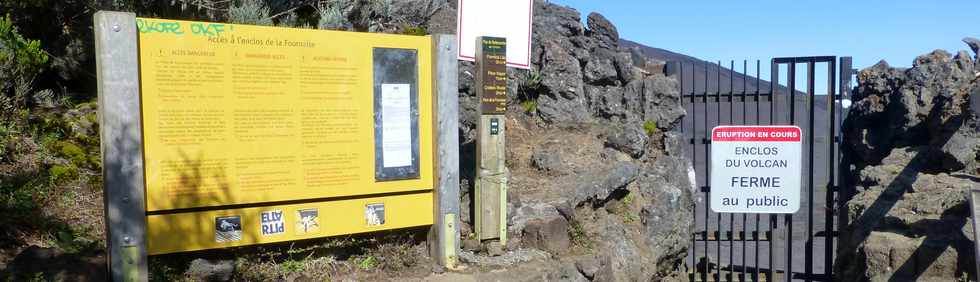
446 228
122 147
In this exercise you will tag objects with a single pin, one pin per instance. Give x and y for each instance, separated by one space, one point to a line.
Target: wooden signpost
509 46
491 178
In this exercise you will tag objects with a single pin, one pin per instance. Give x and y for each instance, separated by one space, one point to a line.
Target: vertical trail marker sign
756 169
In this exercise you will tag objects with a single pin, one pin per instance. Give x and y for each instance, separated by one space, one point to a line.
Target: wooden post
491 176
122 147
445 244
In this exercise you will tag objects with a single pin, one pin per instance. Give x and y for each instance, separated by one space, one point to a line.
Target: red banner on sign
757 133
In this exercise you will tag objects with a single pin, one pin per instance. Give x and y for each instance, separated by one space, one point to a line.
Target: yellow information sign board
251 132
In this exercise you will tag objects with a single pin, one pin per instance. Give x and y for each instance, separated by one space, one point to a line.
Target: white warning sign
756 169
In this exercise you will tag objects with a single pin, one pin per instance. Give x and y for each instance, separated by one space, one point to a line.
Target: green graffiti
145 26
202 29
207 29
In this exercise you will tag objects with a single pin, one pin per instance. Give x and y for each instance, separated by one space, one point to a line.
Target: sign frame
750 170
471 26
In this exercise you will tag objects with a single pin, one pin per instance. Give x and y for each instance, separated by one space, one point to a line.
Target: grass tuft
650 127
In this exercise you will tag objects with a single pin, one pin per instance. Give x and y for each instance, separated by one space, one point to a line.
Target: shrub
331 18
381 8
27 53
414 30
249 12
21 60
530 87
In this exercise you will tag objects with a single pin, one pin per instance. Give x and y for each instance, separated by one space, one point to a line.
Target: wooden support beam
444 242
117 65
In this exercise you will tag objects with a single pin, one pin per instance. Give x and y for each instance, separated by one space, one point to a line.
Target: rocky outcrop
592 181
912 140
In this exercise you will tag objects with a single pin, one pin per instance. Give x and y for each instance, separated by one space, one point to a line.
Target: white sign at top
510 19
756 169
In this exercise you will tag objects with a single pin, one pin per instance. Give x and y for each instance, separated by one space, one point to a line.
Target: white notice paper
756 169
396 125
510 19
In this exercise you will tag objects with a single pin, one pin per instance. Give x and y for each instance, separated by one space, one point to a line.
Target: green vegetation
319 260
21 61
628 199
331 18
74 240
650 127
292 266
61 174
414 30
366 262
528 90
249 12
579 236
26 53
530 106
530 86
630 218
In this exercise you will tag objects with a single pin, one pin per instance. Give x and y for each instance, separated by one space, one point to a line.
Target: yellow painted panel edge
171 233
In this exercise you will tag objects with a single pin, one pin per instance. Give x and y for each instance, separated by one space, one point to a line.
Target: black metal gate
761 247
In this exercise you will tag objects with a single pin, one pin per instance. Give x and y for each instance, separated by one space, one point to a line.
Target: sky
867 30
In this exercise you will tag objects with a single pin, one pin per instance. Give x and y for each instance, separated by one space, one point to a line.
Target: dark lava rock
603 31
631 140
549 234
601 69
588 266
607 101
55 265
655 99
908 107
914 148
973 43
546 157
588 91
211 270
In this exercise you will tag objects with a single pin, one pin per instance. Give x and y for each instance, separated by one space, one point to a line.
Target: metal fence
758 247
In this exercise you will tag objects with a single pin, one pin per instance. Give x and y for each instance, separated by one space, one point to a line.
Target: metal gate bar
705 265
828 232
707 235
